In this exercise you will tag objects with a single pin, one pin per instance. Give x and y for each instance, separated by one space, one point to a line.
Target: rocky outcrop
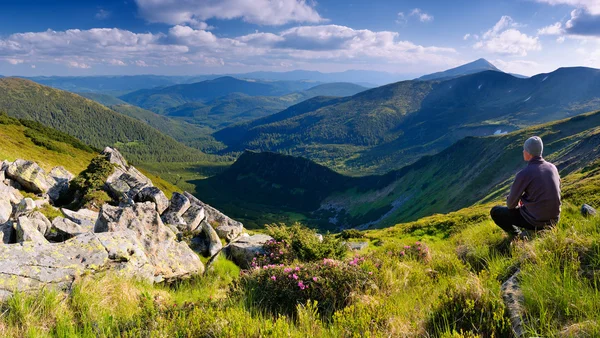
225 227
26 206
192 217
587 211
61 179
174 214
30 267
170 259
5 208
7 233
63 229
242 251
83 217
155 195
26 231
126 181
207 243
30 175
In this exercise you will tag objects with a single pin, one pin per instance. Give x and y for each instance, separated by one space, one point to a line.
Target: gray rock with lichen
242 251
225 227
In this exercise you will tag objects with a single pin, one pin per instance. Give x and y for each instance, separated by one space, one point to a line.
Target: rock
207 243
125 179
225 227
513 299
587 211
84 217
171 259
30 175
63 229
357 245
3 166
7 233
242 251
319 237
26 206
41 202
5 208
172 219
27 232
61 178
179 204
155 195
40 222
192 217
29 267
13 184
12 194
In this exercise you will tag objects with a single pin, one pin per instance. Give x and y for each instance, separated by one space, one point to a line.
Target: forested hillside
91 122
388 127
473 169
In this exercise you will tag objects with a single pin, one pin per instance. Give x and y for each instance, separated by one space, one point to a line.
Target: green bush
278 289
351 233
304 243
7 120
37 132
86 188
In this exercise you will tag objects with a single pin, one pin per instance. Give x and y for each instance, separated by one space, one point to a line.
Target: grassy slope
459 286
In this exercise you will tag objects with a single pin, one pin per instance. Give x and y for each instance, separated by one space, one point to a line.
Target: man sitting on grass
534 199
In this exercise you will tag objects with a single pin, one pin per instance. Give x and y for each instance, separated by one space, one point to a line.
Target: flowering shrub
418 251
275 252
304 244
279 288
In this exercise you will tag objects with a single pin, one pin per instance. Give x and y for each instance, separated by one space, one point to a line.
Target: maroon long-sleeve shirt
538 188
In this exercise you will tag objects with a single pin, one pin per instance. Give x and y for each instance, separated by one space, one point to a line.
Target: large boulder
242 251
84 217
26 231
192 217
30 175
10 193
41 223
155 195
63 229
207 243
29 267
61 179
126 181
170 259
174 214
25 207
225 227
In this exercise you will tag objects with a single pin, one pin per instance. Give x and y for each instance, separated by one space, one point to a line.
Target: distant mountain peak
476 66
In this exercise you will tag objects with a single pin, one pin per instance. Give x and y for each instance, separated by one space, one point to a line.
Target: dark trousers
507 219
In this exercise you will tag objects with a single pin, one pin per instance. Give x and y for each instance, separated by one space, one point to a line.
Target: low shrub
278 289
468 308
419 252
50 212
86 188
305 244
351 233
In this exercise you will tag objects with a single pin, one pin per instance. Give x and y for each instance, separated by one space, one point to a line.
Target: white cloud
400 19
264 12
524 67
503 38
184 45
33 66
75 64
423 17
467 36
15 61
592 6
102 14
555 29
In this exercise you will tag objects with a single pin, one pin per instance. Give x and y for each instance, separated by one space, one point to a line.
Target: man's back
538 188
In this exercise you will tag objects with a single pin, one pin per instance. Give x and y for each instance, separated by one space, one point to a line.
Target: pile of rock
140 236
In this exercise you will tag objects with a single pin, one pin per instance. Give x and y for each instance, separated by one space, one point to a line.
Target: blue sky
185 37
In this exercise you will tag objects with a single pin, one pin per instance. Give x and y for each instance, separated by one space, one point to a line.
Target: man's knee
496 211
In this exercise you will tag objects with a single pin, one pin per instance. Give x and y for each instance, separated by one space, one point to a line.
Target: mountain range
391 126
476 66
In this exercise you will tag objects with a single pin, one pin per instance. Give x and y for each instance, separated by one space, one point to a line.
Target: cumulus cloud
504 38
583 22
183 45
195 12
555 29
423 17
